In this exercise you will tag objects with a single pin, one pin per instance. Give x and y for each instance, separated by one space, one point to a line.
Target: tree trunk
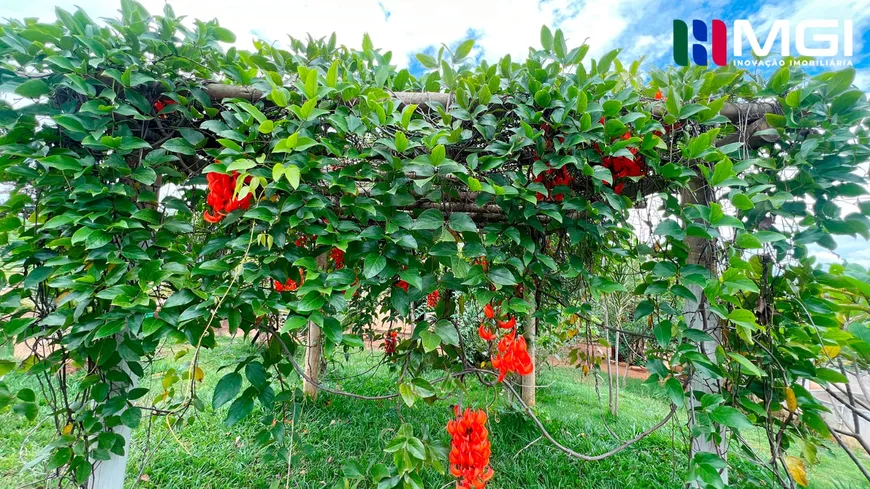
697 315
529 331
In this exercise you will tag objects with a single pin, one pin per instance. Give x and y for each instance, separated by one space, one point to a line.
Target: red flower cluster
482 262
301 241
658 95
513 354
469 449
221 188
552 178
391 340
402 285
432 299
288 286
622 167
509 324
337 257
161 104
485 334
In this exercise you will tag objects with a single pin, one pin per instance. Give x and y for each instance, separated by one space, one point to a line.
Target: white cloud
404 27
849 249
862 78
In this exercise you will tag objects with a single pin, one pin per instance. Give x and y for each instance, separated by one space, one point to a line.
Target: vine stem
528 410
214 311
317 384
192 372
536 440
591 458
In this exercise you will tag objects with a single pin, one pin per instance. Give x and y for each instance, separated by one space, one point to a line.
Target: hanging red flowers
509 324
469 449
622 167
288 286
221 188
337 257
488 311
161 104
485 334
512 356
551 179
391 340
658 95
402 285
432 299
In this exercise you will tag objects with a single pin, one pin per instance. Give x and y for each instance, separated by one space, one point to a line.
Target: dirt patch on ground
598 355
622 369
22 351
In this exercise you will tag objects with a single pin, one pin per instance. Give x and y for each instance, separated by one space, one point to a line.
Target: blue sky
642 28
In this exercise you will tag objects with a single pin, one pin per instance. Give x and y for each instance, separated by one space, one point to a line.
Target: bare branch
546 434
848 451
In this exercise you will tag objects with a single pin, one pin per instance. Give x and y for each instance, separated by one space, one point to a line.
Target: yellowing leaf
831 351
67 429
293 174
277 172
198 374
60 297
797 470
790 400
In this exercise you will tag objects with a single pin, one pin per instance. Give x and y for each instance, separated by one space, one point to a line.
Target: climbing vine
164 183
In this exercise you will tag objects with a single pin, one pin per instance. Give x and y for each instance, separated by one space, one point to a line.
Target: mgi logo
822 44
699 51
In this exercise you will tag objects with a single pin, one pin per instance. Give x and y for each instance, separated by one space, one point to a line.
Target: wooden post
529 332
698 315
607 354
615 409
314 348
313 352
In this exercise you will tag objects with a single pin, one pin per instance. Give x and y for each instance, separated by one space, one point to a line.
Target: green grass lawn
206 454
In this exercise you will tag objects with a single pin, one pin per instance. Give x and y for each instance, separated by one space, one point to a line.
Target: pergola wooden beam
735 112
